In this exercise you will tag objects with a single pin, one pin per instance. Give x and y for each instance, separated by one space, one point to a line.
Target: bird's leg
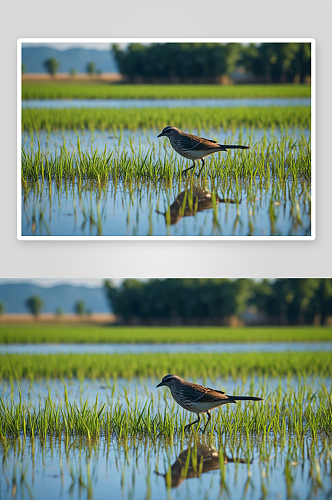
192 166
201 167
209 416
192 423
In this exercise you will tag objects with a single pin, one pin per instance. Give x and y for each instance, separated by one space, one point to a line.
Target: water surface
77 468
140 141
139 390
137 209
163 103
164 348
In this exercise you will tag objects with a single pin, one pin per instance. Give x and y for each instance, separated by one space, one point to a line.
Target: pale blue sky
47 282
65 46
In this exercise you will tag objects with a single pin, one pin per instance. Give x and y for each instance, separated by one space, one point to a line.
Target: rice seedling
207 206
273 159
140 447
134 172
72 90
158 118
186 365
301 411
62 332
195 466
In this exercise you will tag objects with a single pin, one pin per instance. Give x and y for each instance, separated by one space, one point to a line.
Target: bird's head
169 132
169 381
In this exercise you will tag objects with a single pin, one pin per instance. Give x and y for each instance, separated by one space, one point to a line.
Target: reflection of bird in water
209 457
194 147
191 201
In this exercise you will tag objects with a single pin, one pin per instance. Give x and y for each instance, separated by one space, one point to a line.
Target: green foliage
80 308
295 301
278 62
59 312
179 61
178 299
239 365
51 66
71 333
34 305
2 308
283 301
270 62
91 68
158 118
88 90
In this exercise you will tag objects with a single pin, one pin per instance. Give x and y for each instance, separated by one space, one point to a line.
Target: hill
15 295
34 57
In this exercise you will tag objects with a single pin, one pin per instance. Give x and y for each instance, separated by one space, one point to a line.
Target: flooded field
144 194
199 467
160 103
50 209
93 166
280 449
166 348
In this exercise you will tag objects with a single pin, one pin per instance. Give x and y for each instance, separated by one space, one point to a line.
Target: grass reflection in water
188 207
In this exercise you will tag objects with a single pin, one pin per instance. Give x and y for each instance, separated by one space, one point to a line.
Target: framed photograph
166 139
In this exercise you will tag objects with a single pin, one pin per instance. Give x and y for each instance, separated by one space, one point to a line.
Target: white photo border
22 41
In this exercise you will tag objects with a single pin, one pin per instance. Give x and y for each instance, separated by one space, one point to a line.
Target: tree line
220 301
216 301
52 65
35 305
213 62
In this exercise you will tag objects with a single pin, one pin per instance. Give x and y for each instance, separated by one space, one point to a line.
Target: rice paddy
78 423
128 366
133 438
61 332
102 172
184 118
280 155
73 90
298 410
133 184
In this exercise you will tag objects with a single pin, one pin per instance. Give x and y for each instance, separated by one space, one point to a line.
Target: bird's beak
160 135
159 385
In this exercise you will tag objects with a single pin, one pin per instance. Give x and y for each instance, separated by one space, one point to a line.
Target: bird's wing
207 395
195 142
208 140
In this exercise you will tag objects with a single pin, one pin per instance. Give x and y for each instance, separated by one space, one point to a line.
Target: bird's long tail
229 146
245 398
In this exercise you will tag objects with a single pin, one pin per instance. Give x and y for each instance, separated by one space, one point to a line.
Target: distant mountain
15 295
34 57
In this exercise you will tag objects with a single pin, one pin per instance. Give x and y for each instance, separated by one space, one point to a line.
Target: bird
194 147
197 398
